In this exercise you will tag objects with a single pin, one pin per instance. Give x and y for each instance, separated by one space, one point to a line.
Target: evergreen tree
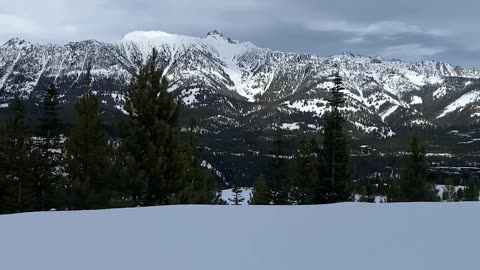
49 157
260 194
155 164
460 194
50 127
336 152
306 171
87 164
471 191
393 191
413 179
16 160
200 184
237 198
381 189
278 181
363 194
3 170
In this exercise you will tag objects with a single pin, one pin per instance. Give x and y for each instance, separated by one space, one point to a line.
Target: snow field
341 236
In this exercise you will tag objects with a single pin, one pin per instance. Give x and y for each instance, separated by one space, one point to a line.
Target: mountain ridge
231 85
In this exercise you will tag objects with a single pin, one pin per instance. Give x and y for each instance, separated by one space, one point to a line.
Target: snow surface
421 122
440 92
416 236
461 102
189 97
366 129
316 106
388 112
290 126
416 79
416 100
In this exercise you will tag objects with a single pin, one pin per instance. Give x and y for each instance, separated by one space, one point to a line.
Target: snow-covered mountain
238 92
232 84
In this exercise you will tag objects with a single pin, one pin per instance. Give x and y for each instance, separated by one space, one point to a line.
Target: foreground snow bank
344 236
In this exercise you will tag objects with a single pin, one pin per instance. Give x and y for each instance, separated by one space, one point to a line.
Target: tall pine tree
47 169
155 163
3 169
87 163
15 155
237 198
200 185
306 172
335 181
278 180
260 194
413 178
471 191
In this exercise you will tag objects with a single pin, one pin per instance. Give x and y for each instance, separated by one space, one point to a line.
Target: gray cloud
410 52
409 29
385 28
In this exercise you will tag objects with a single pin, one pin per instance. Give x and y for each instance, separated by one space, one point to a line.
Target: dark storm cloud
409 29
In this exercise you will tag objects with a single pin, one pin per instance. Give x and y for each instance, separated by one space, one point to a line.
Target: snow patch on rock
461 102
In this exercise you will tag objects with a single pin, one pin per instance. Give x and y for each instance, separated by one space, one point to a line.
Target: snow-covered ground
416 236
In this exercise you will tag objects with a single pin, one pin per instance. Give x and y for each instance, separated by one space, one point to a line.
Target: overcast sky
411 30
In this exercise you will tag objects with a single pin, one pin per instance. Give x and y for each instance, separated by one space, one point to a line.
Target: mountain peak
17 42
219 35
348 54
14 40
215 33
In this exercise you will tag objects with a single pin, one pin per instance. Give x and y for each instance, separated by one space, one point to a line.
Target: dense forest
150 162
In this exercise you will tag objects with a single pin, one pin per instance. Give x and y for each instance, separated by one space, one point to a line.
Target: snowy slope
417 236
461 102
